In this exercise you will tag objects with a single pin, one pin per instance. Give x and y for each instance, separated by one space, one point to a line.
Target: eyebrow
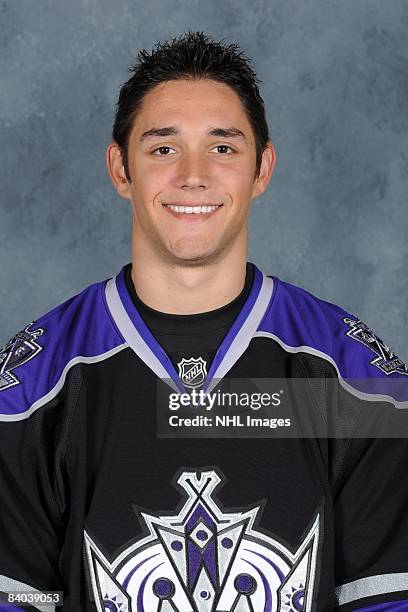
231 132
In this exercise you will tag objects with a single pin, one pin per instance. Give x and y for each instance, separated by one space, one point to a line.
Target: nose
193 171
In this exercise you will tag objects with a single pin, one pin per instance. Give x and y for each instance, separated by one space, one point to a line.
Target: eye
161 149
224 147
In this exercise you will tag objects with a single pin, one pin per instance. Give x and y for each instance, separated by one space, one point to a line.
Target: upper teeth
193 209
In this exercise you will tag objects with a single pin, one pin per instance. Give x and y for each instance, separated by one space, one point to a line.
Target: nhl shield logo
192 371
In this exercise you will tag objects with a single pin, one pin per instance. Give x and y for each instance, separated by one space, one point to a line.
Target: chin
194 257
192 250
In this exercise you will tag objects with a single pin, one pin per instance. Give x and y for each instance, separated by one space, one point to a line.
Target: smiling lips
192 210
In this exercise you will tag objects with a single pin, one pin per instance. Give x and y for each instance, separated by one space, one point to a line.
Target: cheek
239 186
150 179
148 170
238 174
147 187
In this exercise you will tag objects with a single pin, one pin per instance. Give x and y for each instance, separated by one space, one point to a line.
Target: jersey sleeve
371 517
32 450
370 486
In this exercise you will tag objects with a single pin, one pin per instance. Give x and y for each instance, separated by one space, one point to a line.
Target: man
100 497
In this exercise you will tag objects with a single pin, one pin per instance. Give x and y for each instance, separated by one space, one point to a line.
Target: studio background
334 219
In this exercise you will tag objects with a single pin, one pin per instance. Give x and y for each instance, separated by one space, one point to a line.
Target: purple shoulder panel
34 363
302 322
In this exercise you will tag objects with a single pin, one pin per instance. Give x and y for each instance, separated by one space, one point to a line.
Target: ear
267 166
116 170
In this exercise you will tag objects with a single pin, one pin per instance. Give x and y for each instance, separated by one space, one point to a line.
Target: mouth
192 212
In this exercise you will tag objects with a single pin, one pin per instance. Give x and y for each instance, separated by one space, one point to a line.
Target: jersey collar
139 337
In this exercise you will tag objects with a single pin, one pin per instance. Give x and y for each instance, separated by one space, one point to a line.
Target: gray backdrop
334 219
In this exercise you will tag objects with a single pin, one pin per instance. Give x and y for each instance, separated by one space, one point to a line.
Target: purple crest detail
20 349
386 360
205 559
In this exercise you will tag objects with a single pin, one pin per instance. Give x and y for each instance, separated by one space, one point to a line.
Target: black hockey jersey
96 504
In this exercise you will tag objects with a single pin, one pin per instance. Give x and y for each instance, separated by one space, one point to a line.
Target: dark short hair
194 55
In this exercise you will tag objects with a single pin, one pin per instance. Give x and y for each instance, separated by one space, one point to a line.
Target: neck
177 288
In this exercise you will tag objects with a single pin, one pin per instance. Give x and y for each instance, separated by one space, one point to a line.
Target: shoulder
34 363
302 322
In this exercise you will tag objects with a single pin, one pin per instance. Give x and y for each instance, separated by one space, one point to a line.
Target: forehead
199 102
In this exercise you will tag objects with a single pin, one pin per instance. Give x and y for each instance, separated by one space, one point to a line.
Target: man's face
192 145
